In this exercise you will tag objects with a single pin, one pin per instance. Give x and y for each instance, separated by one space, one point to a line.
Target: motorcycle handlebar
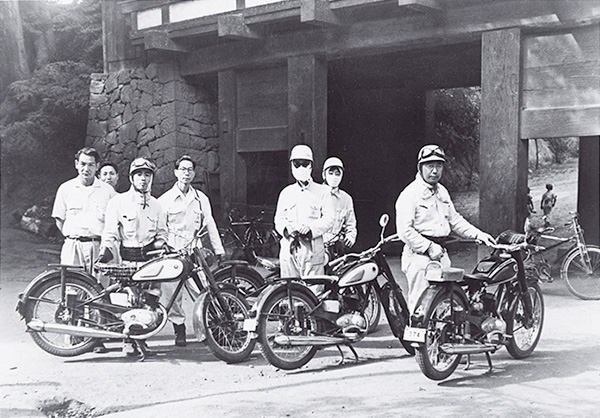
344 258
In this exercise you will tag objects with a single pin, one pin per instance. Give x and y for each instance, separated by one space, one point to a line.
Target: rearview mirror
383 221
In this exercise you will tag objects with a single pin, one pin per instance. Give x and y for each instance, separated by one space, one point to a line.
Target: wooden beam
425 6
233 26
558 123
317 12
160 40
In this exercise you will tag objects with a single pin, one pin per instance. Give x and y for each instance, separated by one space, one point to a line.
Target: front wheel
398 315
581 282
279 321
525 332
441 323
373 309
225 336
44 304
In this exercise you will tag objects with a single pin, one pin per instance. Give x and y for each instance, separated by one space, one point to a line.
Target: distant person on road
109 173
187 211
304 213
343 231
79 210
425 217
530 206
548 202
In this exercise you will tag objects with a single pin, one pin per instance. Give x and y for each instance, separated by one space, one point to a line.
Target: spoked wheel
248 281
373 309
398 315
225 336
280 321
581 282
44 304
525 333
434 363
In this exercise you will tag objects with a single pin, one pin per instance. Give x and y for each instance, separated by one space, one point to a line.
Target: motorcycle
291 322
462 314
68 312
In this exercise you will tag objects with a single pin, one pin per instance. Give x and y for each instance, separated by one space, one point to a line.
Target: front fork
522 280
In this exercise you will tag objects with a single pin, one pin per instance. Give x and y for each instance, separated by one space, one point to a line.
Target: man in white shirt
79 210
304 213
425 216
187 211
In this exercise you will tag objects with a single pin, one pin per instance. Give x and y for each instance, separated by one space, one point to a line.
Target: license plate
415 334
250 324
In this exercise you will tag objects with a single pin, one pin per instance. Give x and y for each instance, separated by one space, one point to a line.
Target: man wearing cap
135 222
425 216
187 210
343 230
79 210
304 213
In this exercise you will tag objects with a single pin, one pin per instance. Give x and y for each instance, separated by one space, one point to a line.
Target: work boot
179 335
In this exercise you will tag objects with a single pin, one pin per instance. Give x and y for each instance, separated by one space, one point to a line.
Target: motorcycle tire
525 338
373 309
246 279
225 337
435 364
43 304
397 314
573 271
276 319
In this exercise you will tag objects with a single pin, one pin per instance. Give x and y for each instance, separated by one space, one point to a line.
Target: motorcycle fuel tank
164 269
499 269
363 273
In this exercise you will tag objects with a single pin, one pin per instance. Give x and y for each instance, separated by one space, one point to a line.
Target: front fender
198 317
52 275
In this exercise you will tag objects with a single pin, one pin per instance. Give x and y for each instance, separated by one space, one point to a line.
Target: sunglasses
437 151
303 163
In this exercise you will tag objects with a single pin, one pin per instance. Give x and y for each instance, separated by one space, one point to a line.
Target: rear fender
423 306
53 275
268 291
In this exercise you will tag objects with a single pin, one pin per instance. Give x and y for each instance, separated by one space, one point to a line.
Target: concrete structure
239 82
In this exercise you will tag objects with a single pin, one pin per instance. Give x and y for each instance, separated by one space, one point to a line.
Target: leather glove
104 256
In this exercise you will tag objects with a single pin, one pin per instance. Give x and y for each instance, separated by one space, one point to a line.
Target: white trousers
413 266
177 314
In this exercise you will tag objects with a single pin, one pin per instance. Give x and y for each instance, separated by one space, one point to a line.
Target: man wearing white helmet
344 224
425 216
304 213
135 222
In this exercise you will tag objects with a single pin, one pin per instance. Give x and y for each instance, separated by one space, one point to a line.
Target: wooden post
232 178
307 106
588 193
502 154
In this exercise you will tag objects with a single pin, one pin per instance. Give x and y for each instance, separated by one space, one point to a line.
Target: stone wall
153 112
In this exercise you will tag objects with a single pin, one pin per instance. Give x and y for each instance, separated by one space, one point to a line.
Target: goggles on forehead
303 163
432 153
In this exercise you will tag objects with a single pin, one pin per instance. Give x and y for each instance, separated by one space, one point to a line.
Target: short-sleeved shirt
82 208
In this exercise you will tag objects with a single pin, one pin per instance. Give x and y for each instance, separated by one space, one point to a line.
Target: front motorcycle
463 314
68 312
292 321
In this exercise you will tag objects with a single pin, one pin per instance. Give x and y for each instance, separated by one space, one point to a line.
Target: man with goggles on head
425 217
304 213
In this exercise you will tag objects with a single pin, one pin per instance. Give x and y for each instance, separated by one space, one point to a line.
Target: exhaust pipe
311 340
40 326
467 348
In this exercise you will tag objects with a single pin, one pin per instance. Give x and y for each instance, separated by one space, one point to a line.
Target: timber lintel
160 40
427 6
233 26
317 12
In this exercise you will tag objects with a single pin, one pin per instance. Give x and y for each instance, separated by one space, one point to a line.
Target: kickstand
468 362
489 360
342 353
144 350
353 352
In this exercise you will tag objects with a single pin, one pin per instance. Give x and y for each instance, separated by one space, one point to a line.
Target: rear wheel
579 280
44 304
248 281
277 320
225 336
434 363
397 314
525 334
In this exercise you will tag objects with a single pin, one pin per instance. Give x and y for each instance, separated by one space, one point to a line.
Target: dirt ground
561 378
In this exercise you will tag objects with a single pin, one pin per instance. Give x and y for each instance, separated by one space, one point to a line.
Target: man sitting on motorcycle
425 216
342 234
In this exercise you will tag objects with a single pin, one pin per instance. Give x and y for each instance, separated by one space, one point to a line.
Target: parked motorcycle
68 312
463 314
292 322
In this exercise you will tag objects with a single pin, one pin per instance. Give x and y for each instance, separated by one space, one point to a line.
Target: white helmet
333 162
301 152
431 153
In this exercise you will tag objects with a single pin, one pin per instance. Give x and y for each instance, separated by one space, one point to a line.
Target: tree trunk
13 57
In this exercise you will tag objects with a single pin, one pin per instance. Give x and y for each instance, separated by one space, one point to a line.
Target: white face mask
333 180
301 173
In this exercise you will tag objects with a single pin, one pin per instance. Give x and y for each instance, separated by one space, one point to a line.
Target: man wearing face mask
135 222
344 226
304 213
425 216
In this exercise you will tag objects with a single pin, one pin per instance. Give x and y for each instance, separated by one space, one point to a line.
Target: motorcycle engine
495 329
146 316
353 325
